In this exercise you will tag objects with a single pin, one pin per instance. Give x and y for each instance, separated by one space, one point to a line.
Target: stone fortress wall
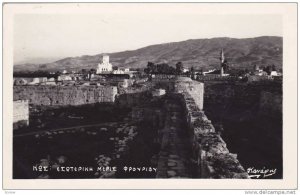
209 150
20 113
193 88
65 95
20 110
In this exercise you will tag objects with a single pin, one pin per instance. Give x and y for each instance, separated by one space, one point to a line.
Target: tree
172 70
268 69
179 68
57 73
255 67
159 68
163 68
93 71
84 71
150 68
147 70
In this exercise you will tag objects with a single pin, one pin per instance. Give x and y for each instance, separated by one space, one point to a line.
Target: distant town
98 75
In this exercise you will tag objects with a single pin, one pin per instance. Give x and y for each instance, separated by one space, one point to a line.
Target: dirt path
174 155
59 129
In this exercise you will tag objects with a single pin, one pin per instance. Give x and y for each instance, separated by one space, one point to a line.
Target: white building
64 78
209 71
184 70
51 79
158 92
38 80
118 71
273 73
50 83
104 67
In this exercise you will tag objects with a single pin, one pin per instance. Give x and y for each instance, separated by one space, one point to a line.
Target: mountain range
199 53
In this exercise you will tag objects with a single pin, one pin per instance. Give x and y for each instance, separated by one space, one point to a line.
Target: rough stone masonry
209 150
65 95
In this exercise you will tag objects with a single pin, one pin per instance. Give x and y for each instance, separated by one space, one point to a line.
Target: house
64 78
273 73
118 71
184 70
38 80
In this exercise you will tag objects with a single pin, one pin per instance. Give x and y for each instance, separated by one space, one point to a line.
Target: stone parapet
209 150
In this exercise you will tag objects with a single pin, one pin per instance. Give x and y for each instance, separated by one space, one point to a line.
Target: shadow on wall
249 118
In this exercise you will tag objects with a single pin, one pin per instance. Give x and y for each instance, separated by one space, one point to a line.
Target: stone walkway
173 161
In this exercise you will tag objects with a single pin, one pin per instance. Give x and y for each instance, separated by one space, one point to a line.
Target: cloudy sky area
42 38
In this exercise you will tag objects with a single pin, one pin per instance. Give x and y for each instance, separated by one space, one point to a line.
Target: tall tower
222 71
105 67
105 59
222 59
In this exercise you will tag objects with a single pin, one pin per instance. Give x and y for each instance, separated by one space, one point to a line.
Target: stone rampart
65 95
20 110
209 149
20 113
193 88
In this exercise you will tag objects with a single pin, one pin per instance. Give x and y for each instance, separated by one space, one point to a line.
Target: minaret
222 58
222 71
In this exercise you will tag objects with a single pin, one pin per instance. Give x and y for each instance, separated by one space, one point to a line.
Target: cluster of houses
34 81
47 81
68 80
259 74
106 68
104 75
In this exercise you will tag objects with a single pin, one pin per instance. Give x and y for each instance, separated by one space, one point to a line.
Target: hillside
200 53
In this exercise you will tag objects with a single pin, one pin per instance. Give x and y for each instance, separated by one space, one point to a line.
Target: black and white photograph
148 91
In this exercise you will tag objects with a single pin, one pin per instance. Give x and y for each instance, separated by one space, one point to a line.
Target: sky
42 38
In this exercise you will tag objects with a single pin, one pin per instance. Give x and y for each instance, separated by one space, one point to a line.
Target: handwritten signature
260 173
